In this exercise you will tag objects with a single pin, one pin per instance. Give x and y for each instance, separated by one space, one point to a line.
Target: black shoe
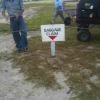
19 50
22 50
25 50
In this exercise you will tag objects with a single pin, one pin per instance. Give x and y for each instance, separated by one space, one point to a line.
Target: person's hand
6 18
19 14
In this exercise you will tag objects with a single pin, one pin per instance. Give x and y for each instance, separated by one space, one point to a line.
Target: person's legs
54 17
23 32
15 31
61 15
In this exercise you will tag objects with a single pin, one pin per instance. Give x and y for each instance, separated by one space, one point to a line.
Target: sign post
53 33
53 49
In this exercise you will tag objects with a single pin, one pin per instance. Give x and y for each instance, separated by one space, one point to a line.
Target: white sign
53 32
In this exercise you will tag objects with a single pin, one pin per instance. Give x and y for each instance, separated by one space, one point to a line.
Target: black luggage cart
87 12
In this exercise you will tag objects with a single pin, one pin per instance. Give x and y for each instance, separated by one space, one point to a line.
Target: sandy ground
12 83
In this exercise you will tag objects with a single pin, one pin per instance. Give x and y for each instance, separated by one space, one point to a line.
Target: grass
4 28
72 58
43 17
36 66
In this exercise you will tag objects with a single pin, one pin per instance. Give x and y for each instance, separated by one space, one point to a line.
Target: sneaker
25 50
19 50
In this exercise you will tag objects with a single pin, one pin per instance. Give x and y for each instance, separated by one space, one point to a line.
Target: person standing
15 9
58 10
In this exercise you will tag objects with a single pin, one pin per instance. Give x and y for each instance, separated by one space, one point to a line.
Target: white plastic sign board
53 32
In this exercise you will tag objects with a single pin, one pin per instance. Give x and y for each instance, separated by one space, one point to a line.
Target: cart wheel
67 21
84 35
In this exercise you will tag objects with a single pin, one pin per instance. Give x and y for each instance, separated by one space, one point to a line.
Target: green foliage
4 28
44 16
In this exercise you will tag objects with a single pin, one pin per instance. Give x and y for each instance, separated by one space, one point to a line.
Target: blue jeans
19 32
58 13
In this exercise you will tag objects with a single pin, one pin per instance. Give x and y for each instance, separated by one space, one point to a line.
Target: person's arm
21 10
63 5
62 1
21 6
3 10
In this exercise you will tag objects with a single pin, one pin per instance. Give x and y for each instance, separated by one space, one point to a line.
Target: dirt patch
75 67
13 84
30 12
